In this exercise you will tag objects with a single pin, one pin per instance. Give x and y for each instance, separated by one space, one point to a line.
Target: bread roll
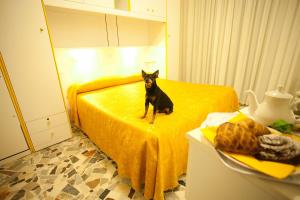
256 128
236 138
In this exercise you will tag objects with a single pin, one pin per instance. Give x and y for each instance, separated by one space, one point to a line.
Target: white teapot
276 105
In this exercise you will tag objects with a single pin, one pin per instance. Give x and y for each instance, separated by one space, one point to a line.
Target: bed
153 156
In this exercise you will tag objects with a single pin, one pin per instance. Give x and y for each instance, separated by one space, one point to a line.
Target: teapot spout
253 103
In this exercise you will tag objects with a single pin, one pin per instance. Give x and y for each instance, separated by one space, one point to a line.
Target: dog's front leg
146 108
154 113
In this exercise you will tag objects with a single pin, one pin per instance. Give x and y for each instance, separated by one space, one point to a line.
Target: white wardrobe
27 53
12 140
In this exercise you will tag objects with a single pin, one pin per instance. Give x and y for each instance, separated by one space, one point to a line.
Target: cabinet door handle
41 29
48 121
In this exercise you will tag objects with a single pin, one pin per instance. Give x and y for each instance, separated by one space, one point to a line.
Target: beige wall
173 23
79 65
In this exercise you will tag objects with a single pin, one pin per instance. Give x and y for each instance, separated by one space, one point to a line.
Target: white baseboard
15 157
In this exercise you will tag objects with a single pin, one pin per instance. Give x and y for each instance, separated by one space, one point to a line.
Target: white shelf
99 9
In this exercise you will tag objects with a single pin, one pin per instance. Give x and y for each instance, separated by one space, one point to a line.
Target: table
210 176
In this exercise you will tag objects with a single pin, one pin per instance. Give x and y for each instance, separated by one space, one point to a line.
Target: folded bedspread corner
97 84
72 98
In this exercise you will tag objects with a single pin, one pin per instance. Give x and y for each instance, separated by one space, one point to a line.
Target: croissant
236 138
256 128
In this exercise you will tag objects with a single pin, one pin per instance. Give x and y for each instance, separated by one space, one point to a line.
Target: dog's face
149 78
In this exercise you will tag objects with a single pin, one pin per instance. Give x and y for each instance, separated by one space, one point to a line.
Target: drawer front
47 122
51 136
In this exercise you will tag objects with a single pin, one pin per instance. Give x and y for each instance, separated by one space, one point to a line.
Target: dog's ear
143 73
155 74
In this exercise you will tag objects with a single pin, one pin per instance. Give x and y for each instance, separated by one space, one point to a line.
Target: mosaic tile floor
73 169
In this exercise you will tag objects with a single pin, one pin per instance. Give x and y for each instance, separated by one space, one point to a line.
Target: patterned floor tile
73 169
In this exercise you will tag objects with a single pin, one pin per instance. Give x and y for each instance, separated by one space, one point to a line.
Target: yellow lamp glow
85 64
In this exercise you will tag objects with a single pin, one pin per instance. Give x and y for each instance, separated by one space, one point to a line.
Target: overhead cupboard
152 8
143 9
93 39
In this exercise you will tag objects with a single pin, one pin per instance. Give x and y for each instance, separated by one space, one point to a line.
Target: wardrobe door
12 140
26 49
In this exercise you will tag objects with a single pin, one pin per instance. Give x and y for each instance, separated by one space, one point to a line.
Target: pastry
278 148
256 128
236 138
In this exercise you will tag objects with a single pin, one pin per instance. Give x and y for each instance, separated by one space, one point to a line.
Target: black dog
154 95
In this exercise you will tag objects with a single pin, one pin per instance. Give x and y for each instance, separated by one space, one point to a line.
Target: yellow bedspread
153 155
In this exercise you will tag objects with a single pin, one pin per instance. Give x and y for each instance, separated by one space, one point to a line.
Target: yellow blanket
150 155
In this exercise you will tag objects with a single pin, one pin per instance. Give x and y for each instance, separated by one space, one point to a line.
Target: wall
173 24
80 65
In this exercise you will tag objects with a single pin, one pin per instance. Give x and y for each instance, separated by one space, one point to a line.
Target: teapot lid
279 93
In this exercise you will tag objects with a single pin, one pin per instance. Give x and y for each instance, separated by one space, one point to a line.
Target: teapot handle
297 121
294 104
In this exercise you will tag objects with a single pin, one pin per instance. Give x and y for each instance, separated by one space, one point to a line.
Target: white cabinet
27 53
97 30
77 1
206 174
153 7
88 31
48 130
49 136
92 30
102 3
88 5
125 31
12 140
213 176
112 30
143 9
134 32
47 122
